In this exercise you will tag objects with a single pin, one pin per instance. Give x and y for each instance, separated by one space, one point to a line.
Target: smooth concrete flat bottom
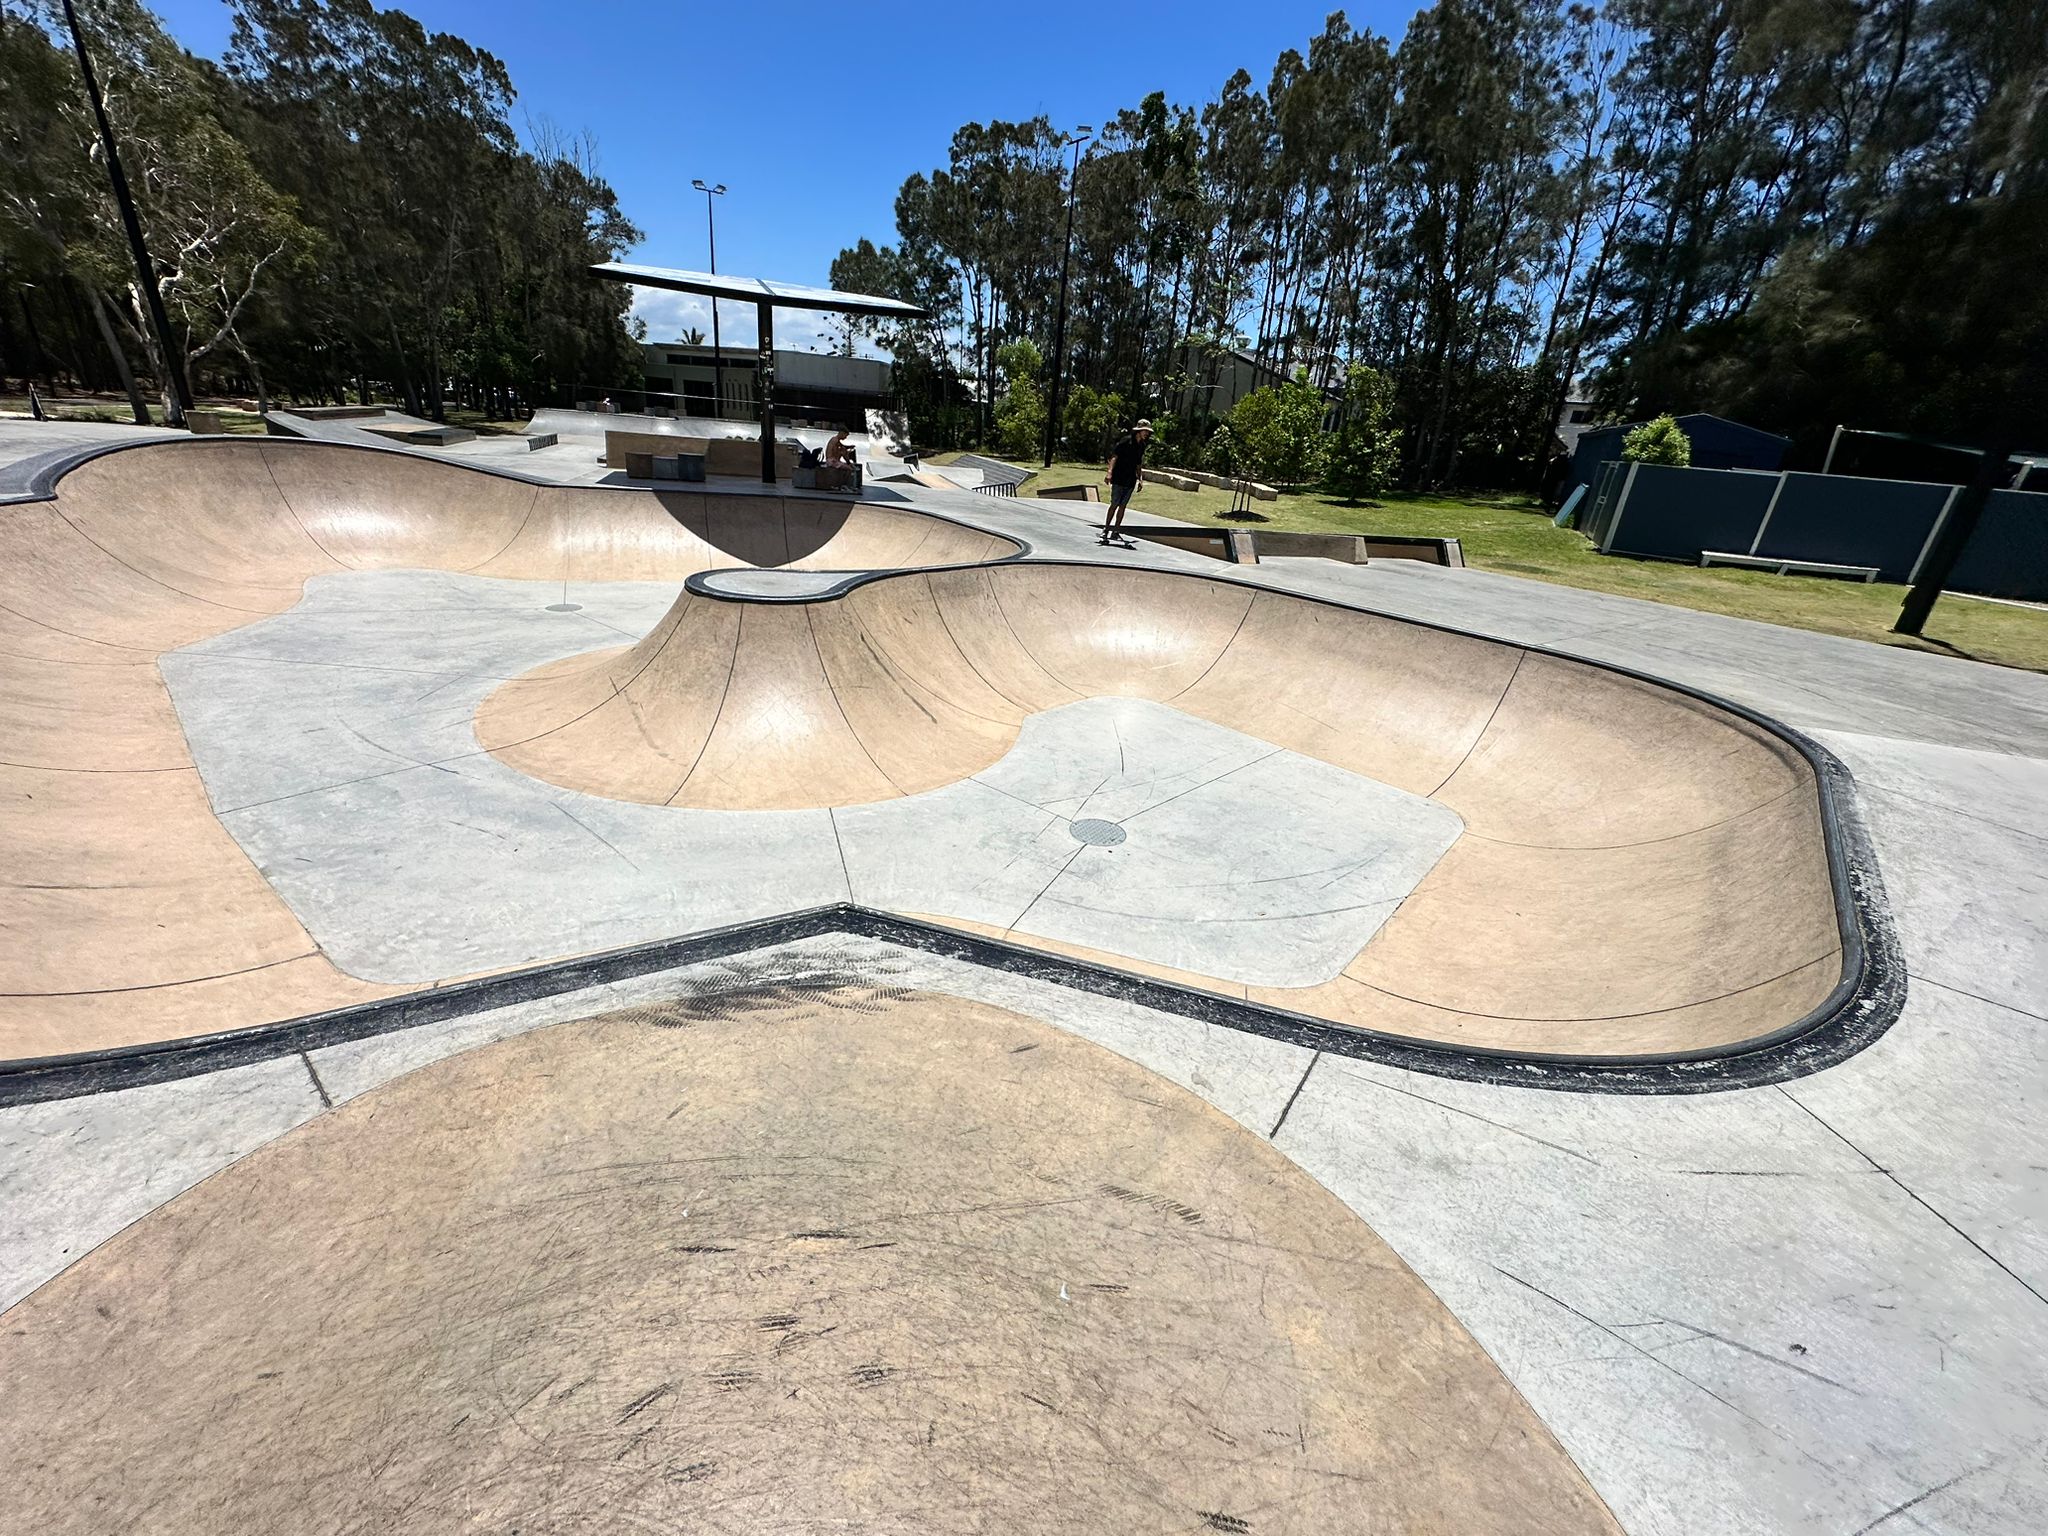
411 855
847 1259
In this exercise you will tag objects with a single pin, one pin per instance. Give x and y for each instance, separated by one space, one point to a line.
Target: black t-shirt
1124 460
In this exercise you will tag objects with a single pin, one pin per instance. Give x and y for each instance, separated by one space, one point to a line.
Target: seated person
839 452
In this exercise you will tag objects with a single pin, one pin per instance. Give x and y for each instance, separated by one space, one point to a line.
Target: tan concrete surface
855 1260
127 914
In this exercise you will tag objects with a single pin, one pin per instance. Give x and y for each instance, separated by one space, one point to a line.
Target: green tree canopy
344 204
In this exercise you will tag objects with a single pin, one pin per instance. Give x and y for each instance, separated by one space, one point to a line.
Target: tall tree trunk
105 324
140 328
255 375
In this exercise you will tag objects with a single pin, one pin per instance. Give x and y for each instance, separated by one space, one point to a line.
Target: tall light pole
1077 138
177 398
717 351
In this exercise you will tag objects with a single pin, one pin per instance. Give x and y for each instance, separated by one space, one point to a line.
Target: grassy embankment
1509 533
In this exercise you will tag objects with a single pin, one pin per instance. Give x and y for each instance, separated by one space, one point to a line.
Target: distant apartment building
809 386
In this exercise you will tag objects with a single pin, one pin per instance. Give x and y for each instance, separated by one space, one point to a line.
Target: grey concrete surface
76 1171
774 583
1240 860
359 790
23 437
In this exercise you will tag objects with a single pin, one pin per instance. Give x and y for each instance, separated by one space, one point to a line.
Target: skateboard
1118 540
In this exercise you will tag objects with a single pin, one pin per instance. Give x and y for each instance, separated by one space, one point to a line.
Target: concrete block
618 444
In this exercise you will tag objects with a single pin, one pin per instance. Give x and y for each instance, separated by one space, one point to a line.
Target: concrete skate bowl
1255 809
1634 873
129 915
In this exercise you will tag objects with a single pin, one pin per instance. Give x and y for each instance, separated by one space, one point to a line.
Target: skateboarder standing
1121 476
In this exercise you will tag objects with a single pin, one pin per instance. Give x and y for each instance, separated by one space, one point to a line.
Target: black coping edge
1860 1009
1864 1003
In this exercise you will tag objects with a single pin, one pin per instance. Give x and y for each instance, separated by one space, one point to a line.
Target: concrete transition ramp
128 914
1616 870
1640 871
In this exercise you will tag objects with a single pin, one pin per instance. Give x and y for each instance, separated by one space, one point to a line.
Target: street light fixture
717 350
1077 138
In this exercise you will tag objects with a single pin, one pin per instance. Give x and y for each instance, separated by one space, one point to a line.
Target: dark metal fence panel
2008 554
1674 514
1840 520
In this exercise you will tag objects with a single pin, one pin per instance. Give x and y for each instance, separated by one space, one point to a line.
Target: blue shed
1717 443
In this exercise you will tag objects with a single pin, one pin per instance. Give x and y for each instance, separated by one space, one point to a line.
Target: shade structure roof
755 290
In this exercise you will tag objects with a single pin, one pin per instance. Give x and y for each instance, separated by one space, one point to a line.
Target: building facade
810 388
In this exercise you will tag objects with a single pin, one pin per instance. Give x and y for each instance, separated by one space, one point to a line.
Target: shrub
1020 414
1092 420
1279 432
1171 447
1662 441
1365 452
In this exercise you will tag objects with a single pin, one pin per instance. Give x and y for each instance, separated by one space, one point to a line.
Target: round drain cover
1103 834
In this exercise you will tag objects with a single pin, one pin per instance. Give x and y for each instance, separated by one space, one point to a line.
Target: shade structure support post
764 386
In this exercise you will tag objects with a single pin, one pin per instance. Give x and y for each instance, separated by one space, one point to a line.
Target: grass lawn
1510 533
235 415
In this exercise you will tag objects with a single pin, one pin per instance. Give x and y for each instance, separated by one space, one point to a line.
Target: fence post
1757 543
1628 484
1933 533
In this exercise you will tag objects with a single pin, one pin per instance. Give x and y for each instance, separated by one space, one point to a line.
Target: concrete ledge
1350 548
1233 546
432 436
1408 546
617 445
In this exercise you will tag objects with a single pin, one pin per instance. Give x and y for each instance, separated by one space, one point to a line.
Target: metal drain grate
1096 832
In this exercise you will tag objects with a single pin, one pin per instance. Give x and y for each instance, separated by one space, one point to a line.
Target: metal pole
764 383
145 270
1827 464
717 344
1992 470
717 347
1059 329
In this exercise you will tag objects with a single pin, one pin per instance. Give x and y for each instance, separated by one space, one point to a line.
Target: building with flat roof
809 386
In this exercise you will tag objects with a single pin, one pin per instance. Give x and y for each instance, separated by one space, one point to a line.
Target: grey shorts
1120 495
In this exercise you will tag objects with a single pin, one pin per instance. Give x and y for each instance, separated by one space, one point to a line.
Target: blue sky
812 115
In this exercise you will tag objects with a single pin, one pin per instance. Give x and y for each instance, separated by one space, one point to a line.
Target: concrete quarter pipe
1460 848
